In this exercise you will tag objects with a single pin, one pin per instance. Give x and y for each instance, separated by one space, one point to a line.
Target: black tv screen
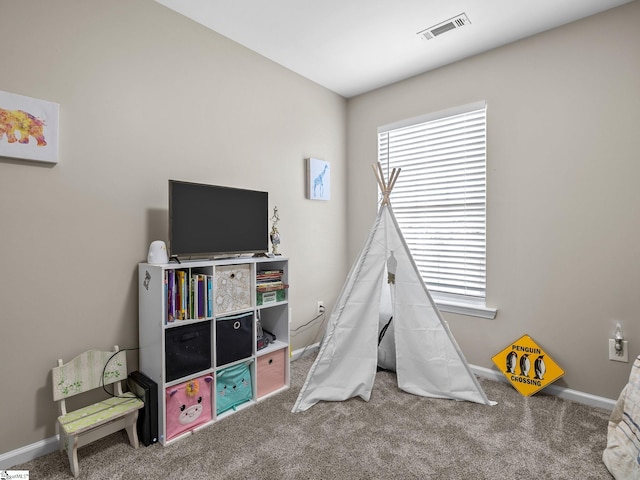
207 220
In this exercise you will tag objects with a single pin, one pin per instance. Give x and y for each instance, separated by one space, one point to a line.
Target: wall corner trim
561 392
28 452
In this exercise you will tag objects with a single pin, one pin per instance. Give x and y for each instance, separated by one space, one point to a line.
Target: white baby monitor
157 253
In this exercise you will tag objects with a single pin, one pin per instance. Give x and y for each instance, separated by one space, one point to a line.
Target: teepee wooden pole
384 186
394 176
380 178
377 169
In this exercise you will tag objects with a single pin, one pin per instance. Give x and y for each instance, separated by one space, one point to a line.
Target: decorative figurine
275 235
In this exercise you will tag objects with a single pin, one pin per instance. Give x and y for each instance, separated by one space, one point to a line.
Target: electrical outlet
320 308
613 355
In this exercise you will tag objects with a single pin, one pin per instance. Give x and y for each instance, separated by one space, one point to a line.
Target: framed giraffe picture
318 179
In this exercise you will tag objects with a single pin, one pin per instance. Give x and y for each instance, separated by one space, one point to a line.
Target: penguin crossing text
539 367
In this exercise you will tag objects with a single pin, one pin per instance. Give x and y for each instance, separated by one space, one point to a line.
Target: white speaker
157 253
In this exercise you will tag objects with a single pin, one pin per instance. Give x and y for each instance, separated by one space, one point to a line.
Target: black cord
104 370
308 323
383 331
304 350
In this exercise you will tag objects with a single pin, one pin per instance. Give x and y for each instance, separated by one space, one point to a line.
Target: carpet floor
393 436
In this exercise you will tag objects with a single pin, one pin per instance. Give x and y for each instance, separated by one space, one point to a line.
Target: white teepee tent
428 360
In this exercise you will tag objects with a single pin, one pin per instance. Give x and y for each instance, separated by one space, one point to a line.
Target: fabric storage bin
233 387
188 405
187 350
233 288
270 372
234 336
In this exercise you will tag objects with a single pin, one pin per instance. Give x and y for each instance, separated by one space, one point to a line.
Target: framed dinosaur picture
318 179
28 128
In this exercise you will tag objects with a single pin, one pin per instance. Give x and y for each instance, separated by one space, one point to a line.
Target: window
439 201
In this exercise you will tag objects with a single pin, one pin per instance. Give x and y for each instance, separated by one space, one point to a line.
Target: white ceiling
354 46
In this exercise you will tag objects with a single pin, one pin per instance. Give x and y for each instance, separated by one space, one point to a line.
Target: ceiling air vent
443 27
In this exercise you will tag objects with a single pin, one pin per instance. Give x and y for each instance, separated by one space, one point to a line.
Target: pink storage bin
188 405
271 372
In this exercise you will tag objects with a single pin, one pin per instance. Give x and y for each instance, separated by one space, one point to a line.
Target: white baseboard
296 354
28 452
43 447
561 392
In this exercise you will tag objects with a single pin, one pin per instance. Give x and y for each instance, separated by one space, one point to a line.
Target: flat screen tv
211 220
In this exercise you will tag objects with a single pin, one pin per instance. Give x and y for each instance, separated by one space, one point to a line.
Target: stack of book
270 281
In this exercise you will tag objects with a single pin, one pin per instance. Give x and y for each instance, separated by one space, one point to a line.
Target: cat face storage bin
233 387
188 405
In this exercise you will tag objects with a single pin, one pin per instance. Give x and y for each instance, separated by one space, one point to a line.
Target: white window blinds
439 197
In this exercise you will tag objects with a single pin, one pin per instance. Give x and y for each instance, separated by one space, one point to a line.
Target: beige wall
563 209
145 95
148 95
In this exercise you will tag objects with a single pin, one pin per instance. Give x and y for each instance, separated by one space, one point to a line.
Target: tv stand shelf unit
198 323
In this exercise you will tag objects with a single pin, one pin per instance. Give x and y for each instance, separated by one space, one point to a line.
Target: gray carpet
394 436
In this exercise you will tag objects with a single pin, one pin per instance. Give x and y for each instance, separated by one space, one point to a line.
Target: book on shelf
269 275
271 287
197 297
193 297
170 284
209 296
182 299
202 296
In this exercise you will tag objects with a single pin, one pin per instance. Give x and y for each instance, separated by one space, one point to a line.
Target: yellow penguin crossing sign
527 367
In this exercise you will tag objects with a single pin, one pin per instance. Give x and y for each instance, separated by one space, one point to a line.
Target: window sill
473 309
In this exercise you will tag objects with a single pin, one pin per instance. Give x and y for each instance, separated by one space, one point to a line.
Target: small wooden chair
88 371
